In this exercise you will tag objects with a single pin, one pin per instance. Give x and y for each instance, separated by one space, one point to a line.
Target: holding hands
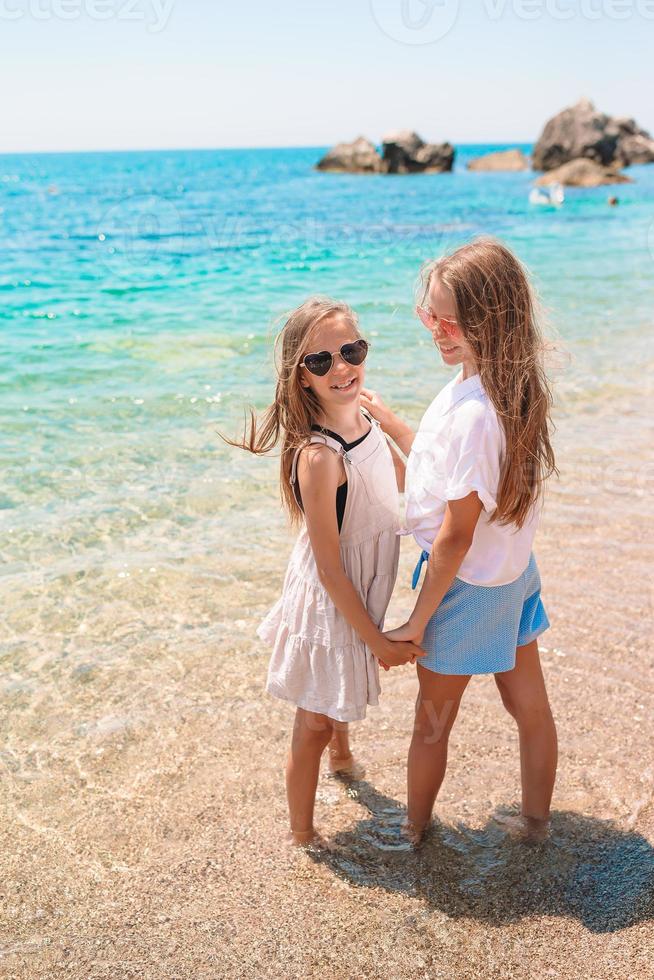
405 643
396 653
406 633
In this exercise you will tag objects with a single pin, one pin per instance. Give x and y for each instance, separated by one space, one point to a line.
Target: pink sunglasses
447 324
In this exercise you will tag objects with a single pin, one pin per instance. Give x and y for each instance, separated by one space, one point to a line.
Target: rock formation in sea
583 173
635 145
582 131
359 157
501 160
404 152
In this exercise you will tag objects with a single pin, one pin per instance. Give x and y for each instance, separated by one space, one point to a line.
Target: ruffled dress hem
337 681
321 707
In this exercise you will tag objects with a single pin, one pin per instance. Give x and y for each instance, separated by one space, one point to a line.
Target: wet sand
142 809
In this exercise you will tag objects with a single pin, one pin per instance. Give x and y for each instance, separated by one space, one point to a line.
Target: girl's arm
401 434
319 472
450 548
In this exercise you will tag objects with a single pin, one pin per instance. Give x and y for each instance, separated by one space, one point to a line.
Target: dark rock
359 157
398 151
635 145
583 173
502 160
435 158
404 152
636 149
576 132
582 132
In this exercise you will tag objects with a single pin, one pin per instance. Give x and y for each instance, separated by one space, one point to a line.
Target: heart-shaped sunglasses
322 362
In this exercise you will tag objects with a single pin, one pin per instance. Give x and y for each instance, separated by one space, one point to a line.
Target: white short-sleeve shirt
459 448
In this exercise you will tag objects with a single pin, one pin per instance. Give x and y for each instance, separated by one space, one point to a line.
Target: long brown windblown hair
295 409
496 311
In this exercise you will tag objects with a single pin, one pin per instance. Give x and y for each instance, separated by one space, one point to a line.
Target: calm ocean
139 293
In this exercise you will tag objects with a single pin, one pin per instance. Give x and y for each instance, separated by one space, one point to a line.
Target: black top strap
340 439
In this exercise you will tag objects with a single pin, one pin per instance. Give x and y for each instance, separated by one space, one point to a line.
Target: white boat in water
551 196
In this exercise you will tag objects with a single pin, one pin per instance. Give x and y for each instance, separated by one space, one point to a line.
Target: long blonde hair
496 311
295 408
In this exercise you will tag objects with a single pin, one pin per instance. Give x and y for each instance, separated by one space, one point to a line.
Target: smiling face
343 382
453 346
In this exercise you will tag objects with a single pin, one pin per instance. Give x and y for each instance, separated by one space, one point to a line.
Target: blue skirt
477 628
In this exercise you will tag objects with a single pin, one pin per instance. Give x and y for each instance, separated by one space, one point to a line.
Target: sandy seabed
143 807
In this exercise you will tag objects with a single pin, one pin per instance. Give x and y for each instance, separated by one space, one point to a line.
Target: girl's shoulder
316 451
317 460
471 426
476 420
454 408
477 409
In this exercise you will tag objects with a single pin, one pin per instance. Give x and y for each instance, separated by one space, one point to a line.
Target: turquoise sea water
138 293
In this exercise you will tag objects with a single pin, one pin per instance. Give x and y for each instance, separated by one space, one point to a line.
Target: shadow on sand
588 868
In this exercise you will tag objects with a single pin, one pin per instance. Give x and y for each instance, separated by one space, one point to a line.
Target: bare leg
525 698
311 735
340 754
436 709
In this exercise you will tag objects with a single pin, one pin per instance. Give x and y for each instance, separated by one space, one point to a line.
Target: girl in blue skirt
474 477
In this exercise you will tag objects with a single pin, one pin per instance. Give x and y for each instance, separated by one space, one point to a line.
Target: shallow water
138 297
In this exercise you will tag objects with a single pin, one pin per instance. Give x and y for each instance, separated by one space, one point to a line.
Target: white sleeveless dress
319 662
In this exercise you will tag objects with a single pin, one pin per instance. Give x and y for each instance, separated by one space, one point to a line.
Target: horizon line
213 149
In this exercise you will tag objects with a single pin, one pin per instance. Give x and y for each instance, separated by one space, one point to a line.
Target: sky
154 74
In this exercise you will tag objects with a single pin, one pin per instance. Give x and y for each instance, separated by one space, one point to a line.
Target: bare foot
345 765
413 832
306 838
529 829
